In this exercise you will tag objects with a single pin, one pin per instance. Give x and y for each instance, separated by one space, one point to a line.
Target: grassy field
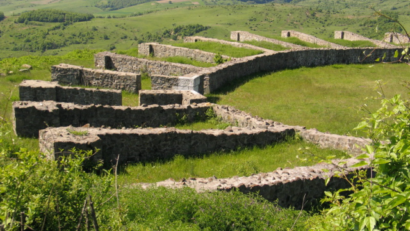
218 48
267 45
327 98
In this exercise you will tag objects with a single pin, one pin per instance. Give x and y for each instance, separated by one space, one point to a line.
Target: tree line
50 15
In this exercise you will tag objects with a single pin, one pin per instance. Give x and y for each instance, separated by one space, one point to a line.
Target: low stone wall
349 144
310 39
396 38
30 117
191 39
164 97
291 187
241 36
216 77
142 145
124 63
160 50
36 90
75 75
347 35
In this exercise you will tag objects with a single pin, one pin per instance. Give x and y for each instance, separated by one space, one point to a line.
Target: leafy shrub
380 202
1 15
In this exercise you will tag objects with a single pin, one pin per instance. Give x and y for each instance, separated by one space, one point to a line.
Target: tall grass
222 49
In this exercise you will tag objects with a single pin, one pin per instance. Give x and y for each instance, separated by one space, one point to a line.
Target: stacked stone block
164 97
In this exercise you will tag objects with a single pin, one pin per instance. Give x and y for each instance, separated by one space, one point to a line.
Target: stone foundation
191 39
30 117
124 63
347 35
160 50
310 39
291 187
396 38
75 75
36 90
162 97
142 145
241 36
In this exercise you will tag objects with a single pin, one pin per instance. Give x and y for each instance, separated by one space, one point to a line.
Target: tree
1 16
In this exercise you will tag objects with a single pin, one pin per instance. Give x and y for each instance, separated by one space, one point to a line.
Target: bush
1 15
380 202
50 15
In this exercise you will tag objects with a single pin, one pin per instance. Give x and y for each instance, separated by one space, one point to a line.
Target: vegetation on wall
51 15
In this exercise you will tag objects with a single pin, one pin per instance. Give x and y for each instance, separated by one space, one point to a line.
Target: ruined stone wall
75 75
124 63
142 145
349 144
30 117
36 90
164 97
160 50
347 35
216 77
241 36
310 39
297 187
396 38
191 39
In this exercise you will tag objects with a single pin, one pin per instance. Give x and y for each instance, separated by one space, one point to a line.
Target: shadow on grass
233 85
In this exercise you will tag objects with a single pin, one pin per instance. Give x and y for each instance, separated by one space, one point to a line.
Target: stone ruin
65 117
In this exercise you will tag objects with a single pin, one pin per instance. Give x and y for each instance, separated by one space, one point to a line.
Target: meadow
331 99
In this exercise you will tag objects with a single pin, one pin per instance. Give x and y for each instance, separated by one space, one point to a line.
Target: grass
243 162
327 98
222 49
347 43
267 45
183 60
299 42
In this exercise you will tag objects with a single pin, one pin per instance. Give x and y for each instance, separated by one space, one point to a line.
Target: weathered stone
347 35
310 39
164 97
36 90
241 36
26 66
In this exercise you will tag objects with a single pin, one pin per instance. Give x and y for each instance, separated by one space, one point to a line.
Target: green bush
1 15
51 15
379 202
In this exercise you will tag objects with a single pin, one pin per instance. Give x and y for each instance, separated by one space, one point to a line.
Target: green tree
1 16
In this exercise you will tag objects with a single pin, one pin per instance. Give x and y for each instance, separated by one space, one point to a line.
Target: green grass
327 98
182 60
243 162
267 45
348 43
299 42
222 49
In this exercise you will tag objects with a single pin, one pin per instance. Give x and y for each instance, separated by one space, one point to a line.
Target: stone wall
191 39
164 97
290 187
310 39
241 36
349 144
347 35
142 145
75 75
216 77
124 63
36 90
396 38
160 50
30 117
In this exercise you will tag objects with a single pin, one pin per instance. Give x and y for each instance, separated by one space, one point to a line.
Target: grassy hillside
126 32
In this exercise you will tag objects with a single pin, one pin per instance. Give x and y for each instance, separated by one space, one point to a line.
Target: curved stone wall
396 38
